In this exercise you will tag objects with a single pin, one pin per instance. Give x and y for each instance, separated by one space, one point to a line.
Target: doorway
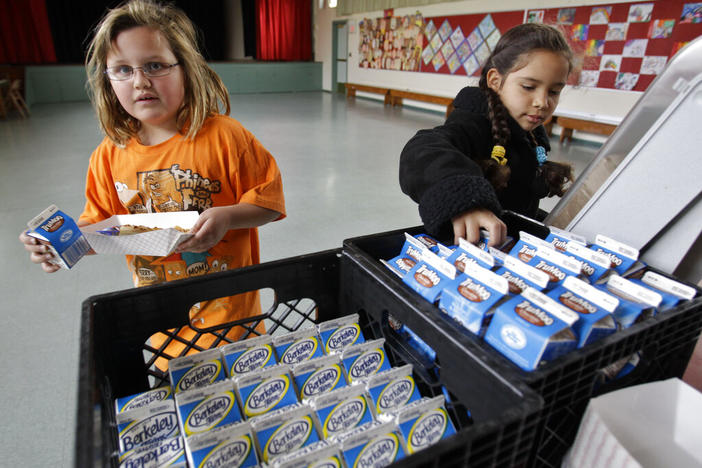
340 53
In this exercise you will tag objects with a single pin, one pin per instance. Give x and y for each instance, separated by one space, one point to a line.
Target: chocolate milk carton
520 275
594 265
196 370
526 246
285 431
560 238
555 264
230 446
429 277
410 254
206 408
61 234
248 355
672 292
469 253
530 328
636 302
621 256
298 346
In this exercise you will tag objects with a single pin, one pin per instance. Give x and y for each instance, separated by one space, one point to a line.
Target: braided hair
510 54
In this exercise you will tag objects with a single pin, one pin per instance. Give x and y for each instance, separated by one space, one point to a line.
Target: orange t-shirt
223 165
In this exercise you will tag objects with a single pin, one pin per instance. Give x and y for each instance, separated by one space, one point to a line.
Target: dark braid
498 175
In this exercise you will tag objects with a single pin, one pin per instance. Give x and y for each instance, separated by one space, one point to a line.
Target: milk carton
469 253
146 425
470 297
410 254
248 355
165 452
672 292
424 423
265 390
342 410
530 328
555 264
526 246
365 359
321 454
153 396
429 242
392 389
430 276
636 302
284 431
594 308
340 333
196 370
206 408
621 256
318 376
520 275
230 446
560 238
372 445
594 265
298 346
60 233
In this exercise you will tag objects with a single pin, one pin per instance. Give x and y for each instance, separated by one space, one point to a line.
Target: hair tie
498 154
541 157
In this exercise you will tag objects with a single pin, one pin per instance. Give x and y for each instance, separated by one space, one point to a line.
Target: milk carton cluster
320 393
536 299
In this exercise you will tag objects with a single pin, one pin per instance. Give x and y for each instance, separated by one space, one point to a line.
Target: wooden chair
14 98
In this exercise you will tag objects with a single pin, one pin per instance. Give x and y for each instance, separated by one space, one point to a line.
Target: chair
14 97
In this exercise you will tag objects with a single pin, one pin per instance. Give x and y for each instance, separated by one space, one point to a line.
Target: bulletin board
625 45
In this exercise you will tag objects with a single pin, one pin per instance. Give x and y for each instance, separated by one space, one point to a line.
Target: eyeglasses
151 69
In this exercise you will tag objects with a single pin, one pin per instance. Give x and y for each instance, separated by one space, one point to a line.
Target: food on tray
129 229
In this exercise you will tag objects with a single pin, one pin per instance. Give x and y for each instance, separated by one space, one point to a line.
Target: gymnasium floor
339 164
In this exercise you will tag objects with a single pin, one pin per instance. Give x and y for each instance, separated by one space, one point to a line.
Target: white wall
609 103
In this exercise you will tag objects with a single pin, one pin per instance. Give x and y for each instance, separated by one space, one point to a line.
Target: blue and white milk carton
429 242
206 408
429 277
621 256
342 410
228 446
560 238
470 297
60 233
196 370
636 302
410 254
298 346
672 292
165 452
248 355
321 454
595 265
318 376
594 307
365 359
424 423
340 333
526 246
372 445
469 253
146 425
266 390
556 265
284 431
392 389
520 275
530 328
150 397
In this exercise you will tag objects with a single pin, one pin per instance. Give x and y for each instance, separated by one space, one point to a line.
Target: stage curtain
284 30
25 35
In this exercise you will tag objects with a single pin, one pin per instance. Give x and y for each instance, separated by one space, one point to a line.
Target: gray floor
339 165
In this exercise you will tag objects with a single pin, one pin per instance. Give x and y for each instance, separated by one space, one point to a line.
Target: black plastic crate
664 342
115 361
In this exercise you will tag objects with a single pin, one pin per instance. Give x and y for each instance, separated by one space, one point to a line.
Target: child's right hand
38 252
467 225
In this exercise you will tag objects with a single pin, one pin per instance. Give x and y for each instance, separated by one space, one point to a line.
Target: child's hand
468 224
38 252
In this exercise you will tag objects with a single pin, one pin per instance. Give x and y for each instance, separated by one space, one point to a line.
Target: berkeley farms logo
252 359
288 437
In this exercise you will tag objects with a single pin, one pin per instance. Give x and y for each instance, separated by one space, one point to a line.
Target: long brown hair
509 55
204 90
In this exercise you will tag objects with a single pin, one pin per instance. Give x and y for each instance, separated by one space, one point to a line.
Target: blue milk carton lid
321 454
165 452
66 241
285 431
318 376
530 328
469 253
206 408
374 444
365 359
556 265
265 390
560 238
621 256
594 308
231 445
672 292
196 370
392 389
298 346
520 275
138 400
636 302
248 355
595 265
429 276
146 425
424 423
470 297
342 410
340 333
526 246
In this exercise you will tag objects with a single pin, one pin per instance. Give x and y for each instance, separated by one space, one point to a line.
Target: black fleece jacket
438 168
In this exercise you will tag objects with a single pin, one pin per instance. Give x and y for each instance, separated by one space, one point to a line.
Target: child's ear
494 79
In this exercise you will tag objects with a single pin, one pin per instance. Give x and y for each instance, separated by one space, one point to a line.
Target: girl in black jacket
490 154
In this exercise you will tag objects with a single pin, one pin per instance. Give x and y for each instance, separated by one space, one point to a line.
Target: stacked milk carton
319 393
536 299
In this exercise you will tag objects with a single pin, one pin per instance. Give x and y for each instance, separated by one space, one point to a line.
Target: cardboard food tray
158 243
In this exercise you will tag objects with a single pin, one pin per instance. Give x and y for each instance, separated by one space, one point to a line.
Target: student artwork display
621 46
